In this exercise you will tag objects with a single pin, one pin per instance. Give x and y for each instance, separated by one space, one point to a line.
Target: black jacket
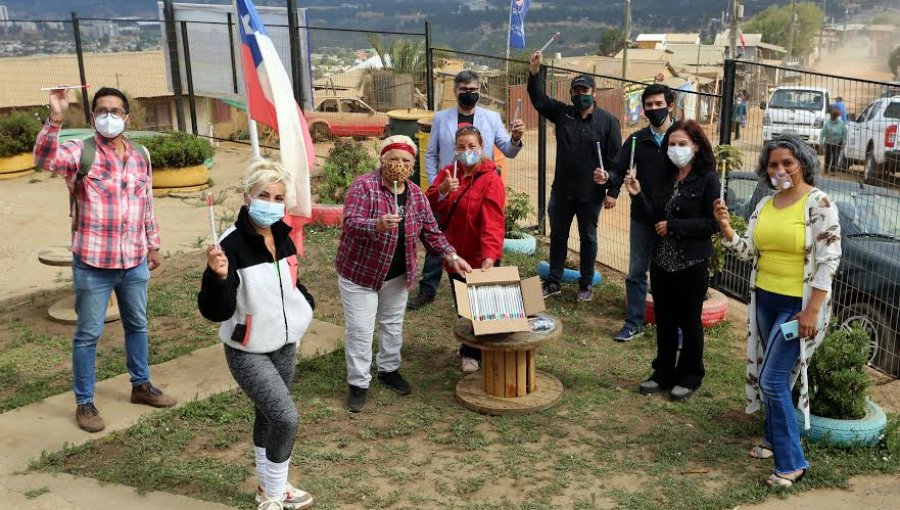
650 160
692 222
576 143
261 303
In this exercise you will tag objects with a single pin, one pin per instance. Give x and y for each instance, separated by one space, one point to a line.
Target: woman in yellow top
794 240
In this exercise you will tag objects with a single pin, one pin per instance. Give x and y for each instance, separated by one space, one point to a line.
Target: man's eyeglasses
115 112
468 89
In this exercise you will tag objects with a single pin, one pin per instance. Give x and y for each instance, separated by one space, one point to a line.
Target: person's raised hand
632 184
217 261
600 176
59 104
535 64
517 130
720 211
387 222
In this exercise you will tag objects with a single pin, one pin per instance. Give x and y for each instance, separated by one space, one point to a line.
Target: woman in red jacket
468 198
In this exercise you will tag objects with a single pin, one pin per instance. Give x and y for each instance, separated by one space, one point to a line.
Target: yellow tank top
780 239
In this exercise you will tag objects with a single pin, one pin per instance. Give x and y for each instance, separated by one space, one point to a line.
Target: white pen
544 47
518 114
65 87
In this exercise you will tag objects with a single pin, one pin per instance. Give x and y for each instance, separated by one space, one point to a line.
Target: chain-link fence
859 158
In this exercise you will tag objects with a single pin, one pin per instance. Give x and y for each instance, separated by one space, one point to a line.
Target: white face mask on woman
681 156
781 181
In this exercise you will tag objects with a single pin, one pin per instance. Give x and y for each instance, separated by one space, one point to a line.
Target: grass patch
603 446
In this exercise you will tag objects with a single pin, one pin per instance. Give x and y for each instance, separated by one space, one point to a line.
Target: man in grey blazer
442 149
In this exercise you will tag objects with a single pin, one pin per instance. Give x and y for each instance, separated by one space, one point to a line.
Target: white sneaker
293 498
270 504
469 365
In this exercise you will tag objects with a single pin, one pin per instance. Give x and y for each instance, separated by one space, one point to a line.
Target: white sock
276 479
260 454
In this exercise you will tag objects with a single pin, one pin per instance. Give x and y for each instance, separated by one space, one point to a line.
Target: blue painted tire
845 433
569 275
526 244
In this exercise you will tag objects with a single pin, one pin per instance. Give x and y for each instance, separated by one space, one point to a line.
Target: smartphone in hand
791 330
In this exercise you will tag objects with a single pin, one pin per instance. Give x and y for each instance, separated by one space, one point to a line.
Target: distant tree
774 23
886 18
894 62
611 41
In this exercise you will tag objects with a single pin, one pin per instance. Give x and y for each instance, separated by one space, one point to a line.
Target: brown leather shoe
151 395
88 418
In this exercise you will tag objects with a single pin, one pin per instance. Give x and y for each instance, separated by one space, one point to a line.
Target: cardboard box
530 289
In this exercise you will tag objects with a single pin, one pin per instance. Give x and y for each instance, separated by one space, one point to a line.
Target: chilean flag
270 101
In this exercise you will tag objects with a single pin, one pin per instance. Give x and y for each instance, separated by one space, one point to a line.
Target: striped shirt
364 254
116 222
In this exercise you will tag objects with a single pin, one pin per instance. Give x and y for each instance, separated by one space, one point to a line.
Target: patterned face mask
396 171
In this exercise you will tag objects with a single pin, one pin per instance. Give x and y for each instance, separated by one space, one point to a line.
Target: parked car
867 284
340 116
872 139
797 111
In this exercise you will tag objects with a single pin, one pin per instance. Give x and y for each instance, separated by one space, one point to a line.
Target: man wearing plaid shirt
115 242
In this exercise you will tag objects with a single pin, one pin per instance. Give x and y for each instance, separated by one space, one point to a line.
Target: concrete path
49 425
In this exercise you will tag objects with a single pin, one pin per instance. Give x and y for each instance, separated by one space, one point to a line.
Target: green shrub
347 160
518 207
733 158
837 379
18 131
892 435
177 150
717 261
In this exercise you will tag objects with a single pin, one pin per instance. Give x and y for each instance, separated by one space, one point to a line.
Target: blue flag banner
518 10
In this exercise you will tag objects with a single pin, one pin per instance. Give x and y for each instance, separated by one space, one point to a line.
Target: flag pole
508 35
251 124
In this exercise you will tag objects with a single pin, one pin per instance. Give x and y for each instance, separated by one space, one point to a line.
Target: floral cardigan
821 259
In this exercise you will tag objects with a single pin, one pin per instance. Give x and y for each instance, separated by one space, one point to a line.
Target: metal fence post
190 77
81 74
429 67
234 79
294 29
727 105
174 68
542 164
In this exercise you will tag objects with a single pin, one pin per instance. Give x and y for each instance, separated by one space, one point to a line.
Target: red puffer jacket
477 225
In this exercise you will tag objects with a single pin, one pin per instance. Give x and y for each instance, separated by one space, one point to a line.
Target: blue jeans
431 274
642 240
773 310
561 211
93 287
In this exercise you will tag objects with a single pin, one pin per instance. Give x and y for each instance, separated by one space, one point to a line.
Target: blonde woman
384 215
252 287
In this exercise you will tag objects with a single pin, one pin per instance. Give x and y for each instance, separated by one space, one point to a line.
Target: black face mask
657 116
468 99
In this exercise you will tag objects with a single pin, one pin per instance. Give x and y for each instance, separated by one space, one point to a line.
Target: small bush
518 207
18 131
177 150
346 161
837 379
717 261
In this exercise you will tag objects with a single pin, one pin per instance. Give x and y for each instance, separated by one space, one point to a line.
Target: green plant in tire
18 131
518 207
177 150
838 381
346 161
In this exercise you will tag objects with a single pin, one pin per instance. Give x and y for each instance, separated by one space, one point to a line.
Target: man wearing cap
576 191
442 149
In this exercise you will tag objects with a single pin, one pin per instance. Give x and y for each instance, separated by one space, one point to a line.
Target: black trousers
562 211
678 303
464 350
833 157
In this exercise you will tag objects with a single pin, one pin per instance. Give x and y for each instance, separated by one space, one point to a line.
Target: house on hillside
662 41
753 49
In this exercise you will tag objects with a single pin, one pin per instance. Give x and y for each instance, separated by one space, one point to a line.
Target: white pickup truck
873 141
794 110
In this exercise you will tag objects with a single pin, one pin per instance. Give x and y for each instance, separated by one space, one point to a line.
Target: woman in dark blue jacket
682 209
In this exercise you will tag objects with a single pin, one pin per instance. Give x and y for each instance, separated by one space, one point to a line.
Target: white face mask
109 126
781 181
681 156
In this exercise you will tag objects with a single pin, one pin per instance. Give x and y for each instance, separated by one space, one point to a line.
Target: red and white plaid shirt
364 254
116 223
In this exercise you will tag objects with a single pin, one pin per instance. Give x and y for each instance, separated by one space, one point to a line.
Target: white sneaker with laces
469 365
270 504
293 498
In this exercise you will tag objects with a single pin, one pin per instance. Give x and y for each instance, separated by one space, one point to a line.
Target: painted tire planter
188 176
18 164
331 215
569 275
715 309
526 244
845 433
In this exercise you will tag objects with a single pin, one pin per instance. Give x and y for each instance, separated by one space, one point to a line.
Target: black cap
584 80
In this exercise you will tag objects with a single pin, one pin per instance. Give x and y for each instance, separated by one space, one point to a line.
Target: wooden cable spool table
63 311
509 382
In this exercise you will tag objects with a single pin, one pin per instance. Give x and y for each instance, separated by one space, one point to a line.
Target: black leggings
266 378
